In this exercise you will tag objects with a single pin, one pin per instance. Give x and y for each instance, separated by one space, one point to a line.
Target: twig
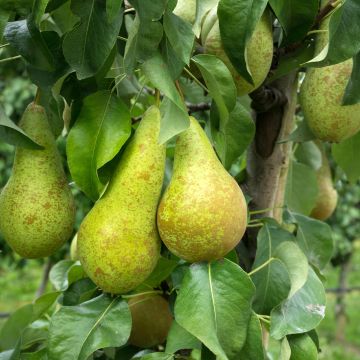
4 315
343 290
197 107
44 279
10 58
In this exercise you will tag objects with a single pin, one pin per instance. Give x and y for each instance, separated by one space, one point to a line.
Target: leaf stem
196 80
262 318
266 263
4 45
143 293
10 58
157 97
261 211
177 84
255 225
37 96
122 38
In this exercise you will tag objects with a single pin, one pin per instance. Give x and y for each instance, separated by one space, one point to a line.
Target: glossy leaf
94 31
205 306
237 21
64 273
302 312
100 131
346 155
315 239
301 188
178 339
78 292
302 347
352 91
171 58
113 7
162 271
101 322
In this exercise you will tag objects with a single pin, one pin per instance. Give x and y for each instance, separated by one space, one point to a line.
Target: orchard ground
18 287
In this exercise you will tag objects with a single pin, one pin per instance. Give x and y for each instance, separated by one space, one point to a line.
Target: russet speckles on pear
37 210
202 214
118 243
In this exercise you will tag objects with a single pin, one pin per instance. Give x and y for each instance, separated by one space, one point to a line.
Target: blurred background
23 280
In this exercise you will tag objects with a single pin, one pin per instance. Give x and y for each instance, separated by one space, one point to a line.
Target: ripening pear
327 196
37 210
186 9
259 50
118 243
321 97
73 249
151 320
203 213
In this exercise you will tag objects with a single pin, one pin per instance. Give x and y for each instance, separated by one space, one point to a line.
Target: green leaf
101 322
273 285
158 356
301 134
174 116
172 60
219 81
202 9
64 273
295 17
302 347
346 156
205 306
94 31
253 347
100 131
78 292
12 134
113 7
180 35
352 91
315 239
301 188
237 22
302 312
178 339
309 154
344 42
4 17
38 10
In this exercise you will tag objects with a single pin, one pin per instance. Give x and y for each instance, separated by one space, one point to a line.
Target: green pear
37 210
259 50
73 249
118 243
186 9
327 197
203 213
151 320
321 97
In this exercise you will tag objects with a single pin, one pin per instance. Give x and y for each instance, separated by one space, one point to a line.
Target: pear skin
151 320
321 97
203 213
73 249
37 210
259 51
118 243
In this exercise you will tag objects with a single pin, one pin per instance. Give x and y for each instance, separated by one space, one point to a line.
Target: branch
44 279
343 290
192 108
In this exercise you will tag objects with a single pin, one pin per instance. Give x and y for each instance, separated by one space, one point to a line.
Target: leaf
253 347
202 8
302 312
4 17
78 292
180 35
94 31
219 81
113 7
179 339
295 17
100 131
301 188
172 60
301 134
346 156
272 284
237 22
12 134
174 116
315 239
162 271
64 273
234 135
302 347
158 356
344 42
205 306
295 262
101 322
309 154
352 91
38 10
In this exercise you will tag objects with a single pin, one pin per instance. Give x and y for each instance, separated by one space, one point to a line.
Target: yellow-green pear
73 249
327 196
118 243
186 9
37 210
203 213
259 50
151 320
321 97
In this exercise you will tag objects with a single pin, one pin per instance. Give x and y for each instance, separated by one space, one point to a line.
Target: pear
118 243
327 196
259 50
73 249
151 320
37 210
203 213
321 97
186 9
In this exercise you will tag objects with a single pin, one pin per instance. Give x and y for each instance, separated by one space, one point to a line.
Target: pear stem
37 96
266 263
